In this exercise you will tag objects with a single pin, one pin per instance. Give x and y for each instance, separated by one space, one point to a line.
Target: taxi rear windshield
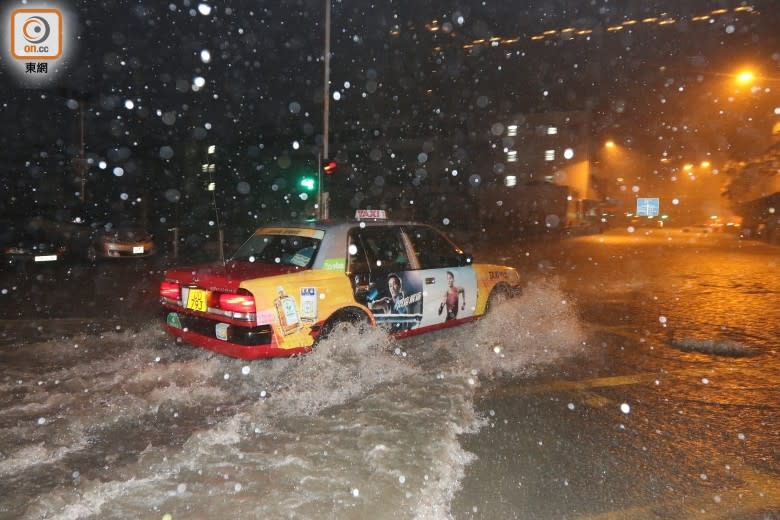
293 250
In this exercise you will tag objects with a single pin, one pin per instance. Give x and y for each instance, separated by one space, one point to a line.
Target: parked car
27 243
290 285
123 241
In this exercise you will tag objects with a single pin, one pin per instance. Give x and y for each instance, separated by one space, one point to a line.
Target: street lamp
745 77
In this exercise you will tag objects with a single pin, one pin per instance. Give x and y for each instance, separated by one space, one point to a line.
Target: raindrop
204 9
337 96
205 56
172 195
625 408
245 370
294 107
166 152
243 188
129 104
445 221
169 118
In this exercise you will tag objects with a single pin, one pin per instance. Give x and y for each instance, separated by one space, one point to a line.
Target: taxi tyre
348 316
500 293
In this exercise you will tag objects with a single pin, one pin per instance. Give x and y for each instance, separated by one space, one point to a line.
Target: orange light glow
745 77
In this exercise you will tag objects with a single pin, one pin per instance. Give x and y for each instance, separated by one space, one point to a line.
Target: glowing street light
745 77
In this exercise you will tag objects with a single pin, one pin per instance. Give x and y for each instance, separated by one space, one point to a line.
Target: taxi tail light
238 302
170 290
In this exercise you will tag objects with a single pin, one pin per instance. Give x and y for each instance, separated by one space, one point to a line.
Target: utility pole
322 198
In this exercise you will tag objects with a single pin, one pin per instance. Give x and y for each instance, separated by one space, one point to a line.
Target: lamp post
322 197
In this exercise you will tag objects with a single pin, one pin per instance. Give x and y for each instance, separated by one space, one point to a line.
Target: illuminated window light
615 28
550 32
702 18
667 22
552 130
511 130
549 155
744 8
720 11
511 156
537 38
568 30
629 22
650 20
584 32
510 181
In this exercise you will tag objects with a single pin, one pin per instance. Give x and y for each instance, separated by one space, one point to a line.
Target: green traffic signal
308 183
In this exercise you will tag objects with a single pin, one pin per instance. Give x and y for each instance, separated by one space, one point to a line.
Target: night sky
162 81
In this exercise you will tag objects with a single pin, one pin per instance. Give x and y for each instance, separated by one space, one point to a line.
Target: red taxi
290 285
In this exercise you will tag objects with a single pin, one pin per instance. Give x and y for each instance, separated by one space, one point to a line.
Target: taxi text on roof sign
379 214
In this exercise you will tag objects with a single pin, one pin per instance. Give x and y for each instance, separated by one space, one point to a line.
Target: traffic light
308 183
329 166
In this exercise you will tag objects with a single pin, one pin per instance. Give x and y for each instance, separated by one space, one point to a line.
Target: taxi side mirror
465 259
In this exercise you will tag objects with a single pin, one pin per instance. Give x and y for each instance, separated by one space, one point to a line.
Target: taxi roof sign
378 214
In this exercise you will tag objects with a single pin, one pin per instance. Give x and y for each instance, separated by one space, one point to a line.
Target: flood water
125 423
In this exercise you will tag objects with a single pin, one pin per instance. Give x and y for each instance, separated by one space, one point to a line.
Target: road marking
759 492
754 491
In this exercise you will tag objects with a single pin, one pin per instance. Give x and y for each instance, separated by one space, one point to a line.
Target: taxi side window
376 249
433 250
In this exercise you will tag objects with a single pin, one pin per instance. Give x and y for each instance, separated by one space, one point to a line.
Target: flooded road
636 377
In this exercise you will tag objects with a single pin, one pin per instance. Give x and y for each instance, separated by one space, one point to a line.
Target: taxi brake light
237 302
170 290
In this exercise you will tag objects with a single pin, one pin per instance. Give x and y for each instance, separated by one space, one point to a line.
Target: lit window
511 130
511 156
549 155
510 180
552 130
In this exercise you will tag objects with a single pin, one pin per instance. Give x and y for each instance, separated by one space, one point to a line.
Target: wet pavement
636 377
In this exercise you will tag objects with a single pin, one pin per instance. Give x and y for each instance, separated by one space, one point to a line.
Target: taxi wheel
498 295
342 321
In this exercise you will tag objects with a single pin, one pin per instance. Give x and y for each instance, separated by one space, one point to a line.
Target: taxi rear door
445 275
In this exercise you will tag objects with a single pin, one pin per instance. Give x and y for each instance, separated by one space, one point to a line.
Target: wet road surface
636 377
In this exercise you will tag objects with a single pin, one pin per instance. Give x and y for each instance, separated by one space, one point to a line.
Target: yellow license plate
197 300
